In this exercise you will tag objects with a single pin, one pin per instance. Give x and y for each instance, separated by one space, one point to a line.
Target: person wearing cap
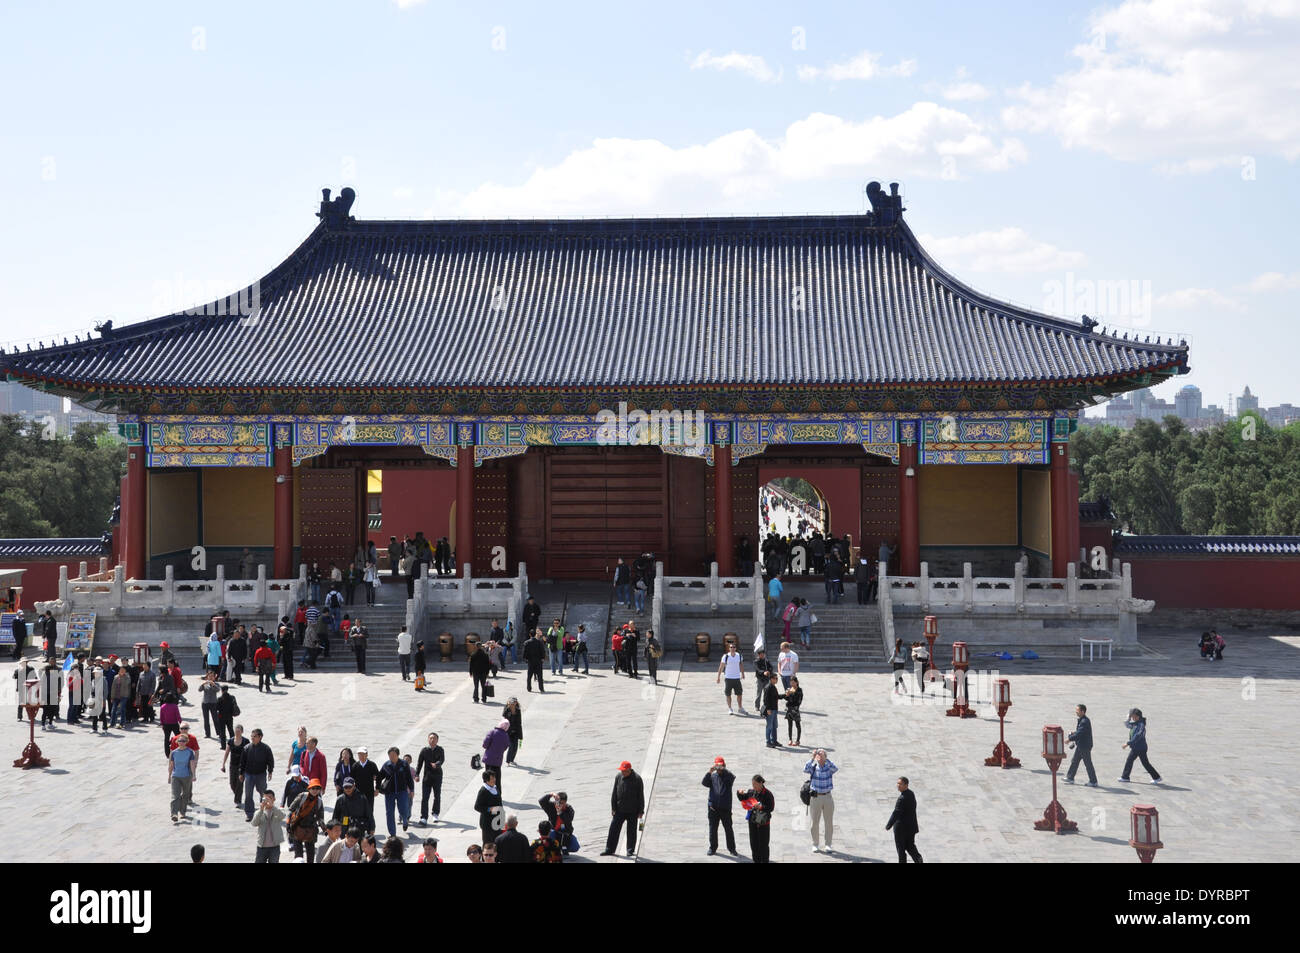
366 773
306 820
720 782
293 787
354 809
626 805
512 846
182 767
397 784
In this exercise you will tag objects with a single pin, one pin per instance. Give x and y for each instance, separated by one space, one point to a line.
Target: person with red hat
720 782
627 805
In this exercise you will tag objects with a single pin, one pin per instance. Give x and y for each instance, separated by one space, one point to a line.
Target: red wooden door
327 504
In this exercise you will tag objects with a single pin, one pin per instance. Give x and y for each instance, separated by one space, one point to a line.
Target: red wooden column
1060 484
909 513
464 505
282 567
135 512
725 544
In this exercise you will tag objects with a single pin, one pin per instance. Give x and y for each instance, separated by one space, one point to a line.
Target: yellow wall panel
173 511
1036 510
239 506
967 505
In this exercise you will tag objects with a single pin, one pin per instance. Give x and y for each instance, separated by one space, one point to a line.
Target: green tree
59 487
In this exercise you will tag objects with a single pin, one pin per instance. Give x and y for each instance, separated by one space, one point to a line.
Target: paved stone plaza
1223 744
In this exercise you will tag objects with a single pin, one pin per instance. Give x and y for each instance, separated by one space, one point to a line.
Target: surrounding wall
1217 581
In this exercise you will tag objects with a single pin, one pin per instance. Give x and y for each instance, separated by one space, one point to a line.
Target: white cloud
1191 86
963 91
1274 281
1010 250
747 63
407 4
1187 299
740 168
865 65
403 192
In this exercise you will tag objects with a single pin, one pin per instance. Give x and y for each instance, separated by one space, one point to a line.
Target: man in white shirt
787 665
732 668
404 653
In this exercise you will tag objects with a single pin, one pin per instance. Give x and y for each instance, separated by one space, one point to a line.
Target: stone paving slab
1220 733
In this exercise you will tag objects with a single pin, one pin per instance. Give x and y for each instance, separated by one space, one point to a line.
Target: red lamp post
960 701
1146 831
1002 753
32 753
1054 818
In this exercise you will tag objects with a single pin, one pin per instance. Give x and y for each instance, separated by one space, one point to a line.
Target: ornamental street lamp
32 753
930 672
1054 818
960 700
1146 831
1002 753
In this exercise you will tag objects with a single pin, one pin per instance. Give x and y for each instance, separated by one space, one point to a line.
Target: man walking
762 675
821 769
532 615
626 806
622 583
357 638
480 664
256 762
534 654
429 770
182 766
774 590
720 782
404 653
313 764
1081 741
398 786
732 669
903 823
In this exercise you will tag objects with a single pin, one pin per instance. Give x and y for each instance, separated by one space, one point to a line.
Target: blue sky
159 154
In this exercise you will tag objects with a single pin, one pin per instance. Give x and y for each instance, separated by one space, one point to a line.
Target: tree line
1238 478
60 486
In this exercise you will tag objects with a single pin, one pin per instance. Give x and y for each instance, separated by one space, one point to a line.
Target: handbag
812 619
476 762
489 690
805 792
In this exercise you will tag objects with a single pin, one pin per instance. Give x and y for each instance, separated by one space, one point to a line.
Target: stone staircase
846 636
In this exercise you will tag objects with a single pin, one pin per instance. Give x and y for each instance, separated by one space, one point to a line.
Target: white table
1095 642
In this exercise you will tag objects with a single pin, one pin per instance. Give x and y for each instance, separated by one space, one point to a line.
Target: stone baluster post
467 587
169 589
1019 585
219 588
715 586
81 569
967 588
63 585
924 586
1072 588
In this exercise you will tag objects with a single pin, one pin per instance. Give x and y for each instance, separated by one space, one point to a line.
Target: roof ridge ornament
885 209
1088 324
334 214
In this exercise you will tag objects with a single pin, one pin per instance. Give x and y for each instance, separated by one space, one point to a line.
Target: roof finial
887 209
335 214
1088 324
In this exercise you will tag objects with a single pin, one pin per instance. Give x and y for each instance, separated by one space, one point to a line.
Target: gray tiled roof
636 302
1219 545
59 547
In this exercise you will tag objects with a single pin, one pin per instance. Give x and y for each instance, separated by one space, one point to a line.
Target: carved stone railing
109 593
